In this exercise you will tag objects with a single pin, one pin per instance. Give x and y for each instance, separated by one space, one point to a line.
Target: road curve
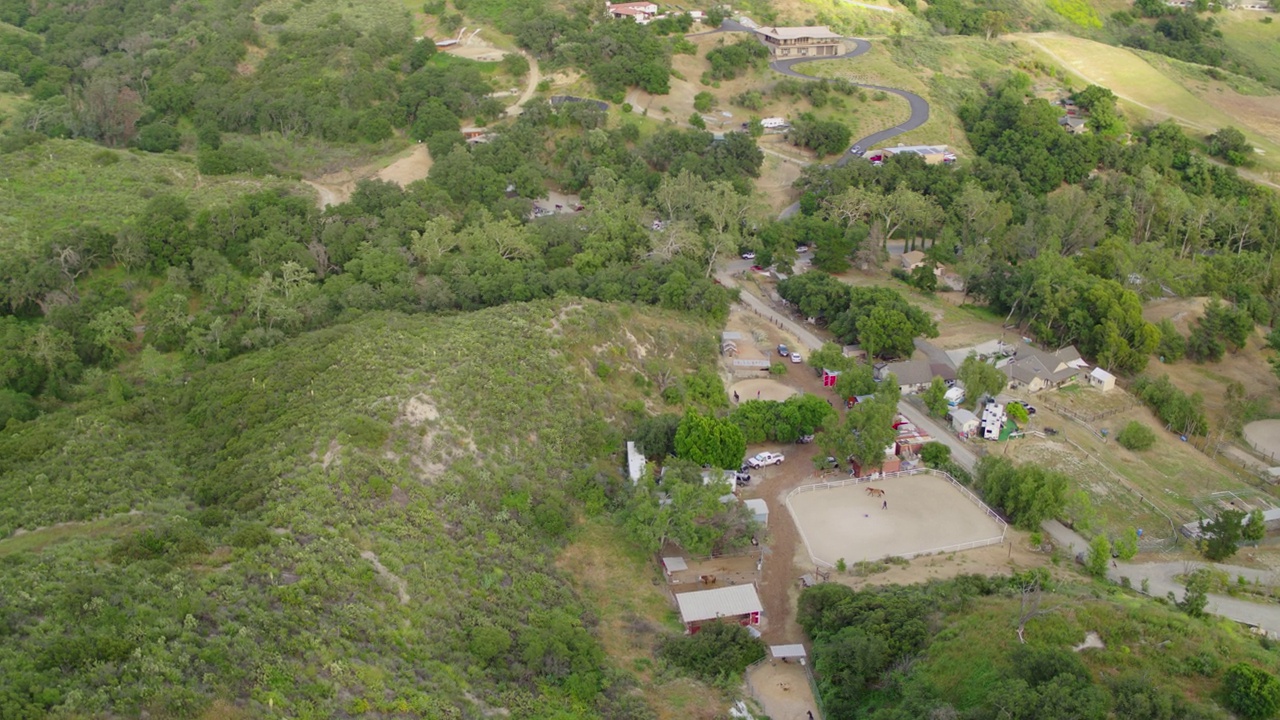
919 106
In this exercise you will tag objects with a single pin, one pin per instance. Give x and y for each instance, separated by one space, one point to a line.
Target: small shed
788 652
964 421
759 509
674 565
830 377
1102 379
736 603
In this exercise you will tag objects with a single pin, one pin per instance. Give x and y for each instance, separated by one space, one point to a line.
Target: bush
1136 436
231 159
158 138
935 454
1251 692
717 650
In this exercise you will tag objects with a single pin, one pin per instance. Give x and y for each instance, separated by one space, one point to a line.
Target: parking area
904 516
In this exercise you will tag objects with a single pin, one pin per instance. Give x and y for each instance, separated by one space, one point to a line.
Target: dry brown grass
628 594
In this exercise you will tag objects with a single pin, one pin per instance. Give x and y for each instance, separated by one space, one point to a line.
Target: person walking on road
884 505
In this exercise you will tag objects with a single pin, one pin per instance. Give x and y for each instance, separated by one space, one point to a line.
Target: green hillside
64 183
266 531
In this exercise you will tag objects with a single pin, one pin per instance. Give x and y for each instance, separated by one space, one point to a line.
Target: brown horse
875 492
707 579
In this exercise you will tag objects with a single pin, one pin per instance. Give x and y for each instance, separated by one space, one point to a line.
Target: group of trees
683 508
867 430
1180 412
783 422
1221 327
824 137
1221 536
1073 261
268 265
730 61
1029 494
879 319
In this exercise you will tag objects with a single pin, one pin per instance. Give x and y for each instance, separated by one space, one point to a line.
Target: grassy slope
1161 644
365 16
427 441
61 183
1254 42
1147 92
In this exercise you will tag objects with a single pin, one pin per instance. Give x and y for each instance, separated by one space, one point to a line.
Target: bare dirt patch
777 177
1016 554
736 570
919 513
762 389
411 168
419 410
783 689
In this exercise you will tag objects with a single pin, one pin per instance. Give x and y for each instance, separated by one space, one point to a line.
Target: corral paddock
1265 436
768 390
925 513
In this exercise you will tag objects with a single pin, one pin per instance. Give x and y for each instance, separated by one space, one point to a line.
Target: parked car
783 351
1031 409
795 358
765 459
742 479
748 256
802 249
831 463
804 439
855 150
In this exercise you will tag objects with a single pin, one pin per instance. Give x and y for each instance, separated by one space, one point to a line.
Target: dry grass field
1146 92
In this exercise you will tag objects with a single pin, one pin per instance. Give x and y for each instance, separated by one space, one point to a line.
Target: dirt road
535 77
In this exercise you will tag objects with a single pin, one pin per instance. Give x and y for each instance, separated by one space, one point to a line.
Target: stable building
736 603
793 42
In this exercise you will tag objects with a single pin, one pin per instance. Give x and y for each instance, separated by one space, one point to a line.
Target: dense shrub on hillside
719 650
1136 436
1251 691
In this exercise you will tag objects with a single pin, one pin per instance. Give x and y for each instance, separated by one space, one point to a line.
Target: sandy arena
924 513
1264 435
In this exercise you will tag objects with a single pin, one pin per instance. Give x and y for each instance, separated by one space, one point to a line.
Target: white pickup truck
765 459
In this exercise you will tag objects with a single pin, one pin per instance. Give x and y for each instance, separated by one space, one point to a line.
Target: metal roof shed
674 564
735 601
787 652
759 508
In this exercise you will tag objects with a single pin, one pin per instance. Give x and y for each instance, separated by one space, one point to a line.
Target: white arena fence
1004 527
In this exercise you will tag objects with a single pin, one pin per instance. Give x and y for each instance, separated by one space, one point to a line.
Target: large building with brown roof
793 42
